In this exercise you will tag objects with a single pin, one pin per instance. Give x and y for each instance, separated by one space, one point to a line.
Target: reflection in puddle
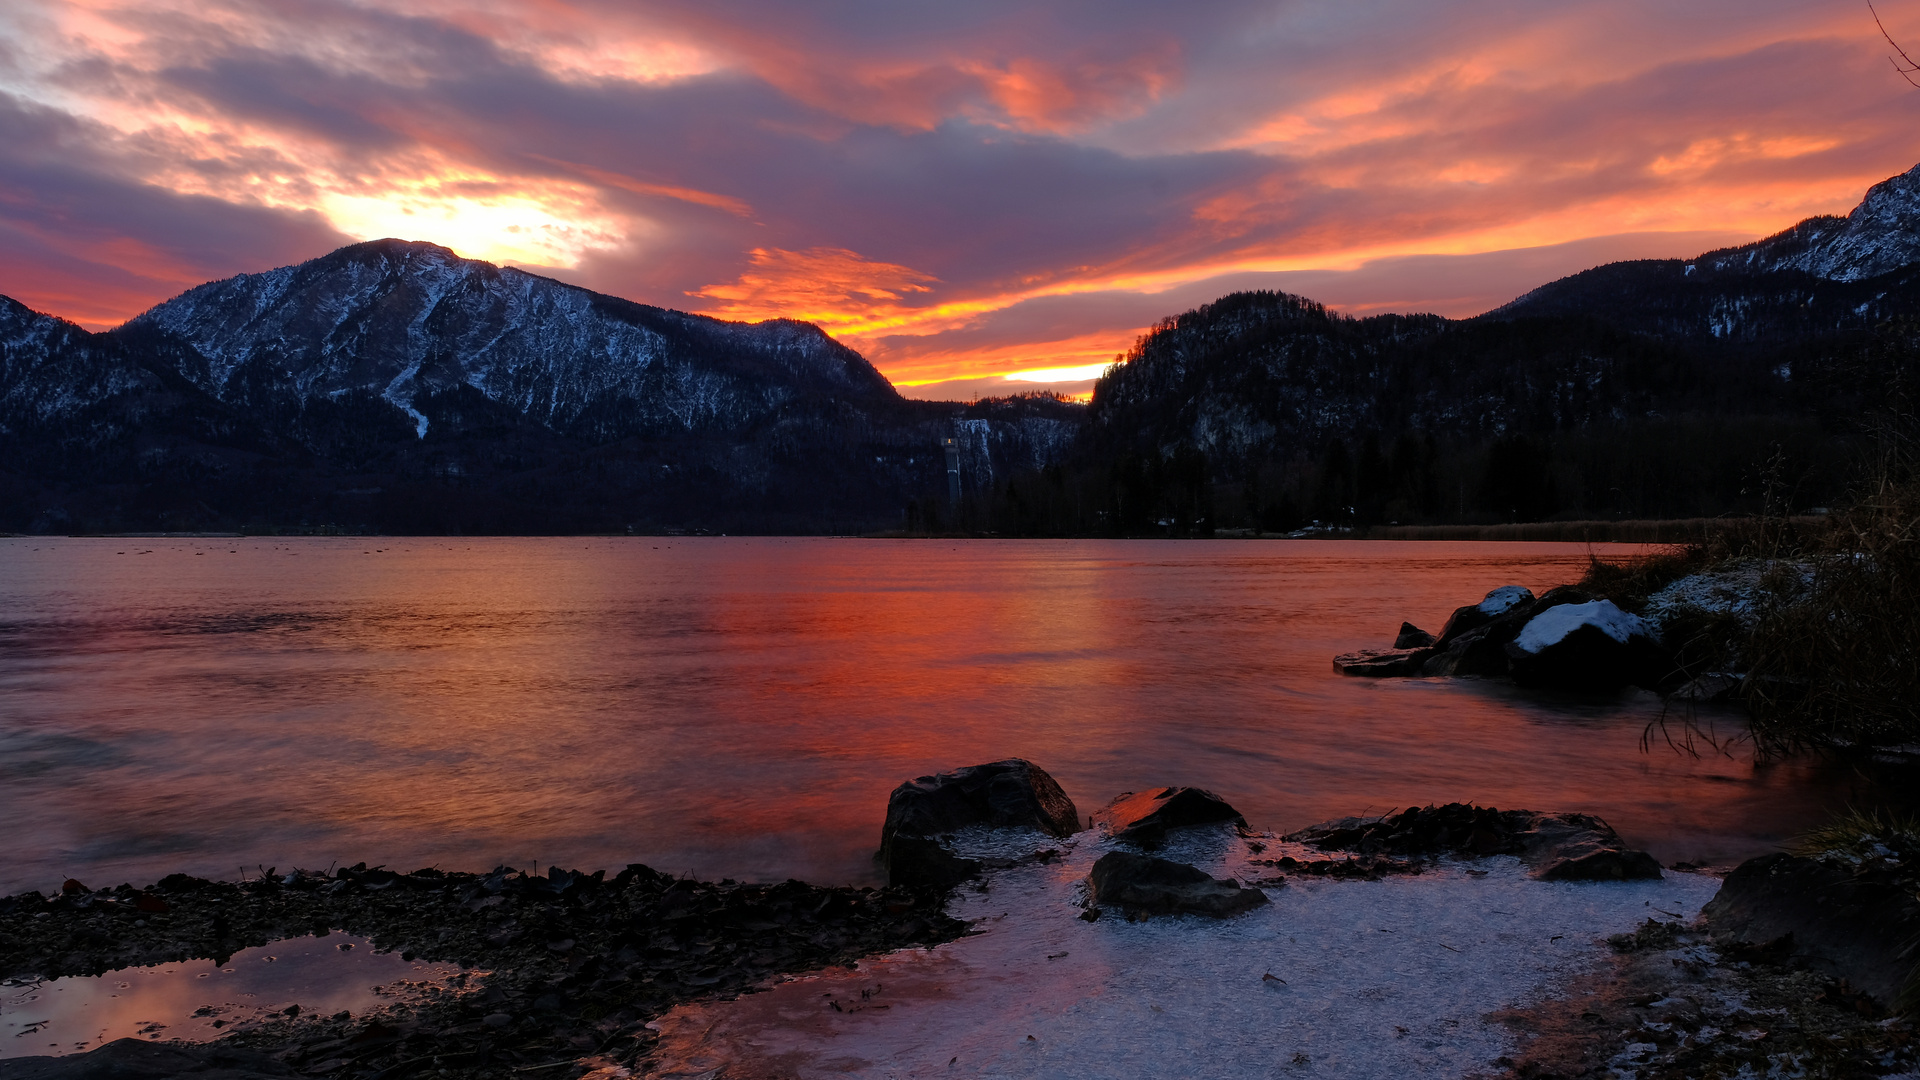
199 1000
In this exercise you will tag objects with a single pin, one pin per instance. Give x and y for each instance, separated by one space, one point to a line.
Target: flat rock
1382 663
1852 922
137 1059
1161 886
1555 847
1144 817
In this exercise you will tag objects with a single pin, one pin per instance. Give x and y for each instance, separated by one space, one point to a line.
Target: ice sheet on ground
1389 978
1553 624
185 1000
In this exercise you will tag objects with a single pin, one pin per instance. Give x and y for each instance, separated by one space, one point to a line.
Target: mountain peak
1880 235
407 321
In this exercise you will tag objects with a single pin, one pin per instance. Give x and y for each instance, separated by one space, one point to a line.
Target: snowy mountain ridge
401 320
1880 235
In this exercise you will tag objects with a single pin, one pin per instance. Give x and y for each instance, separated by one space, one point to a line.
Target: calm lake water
742 707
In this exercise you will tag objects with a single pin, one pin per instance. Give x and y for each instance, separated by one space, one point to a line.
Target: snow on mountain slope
401 320
1882 234
50 367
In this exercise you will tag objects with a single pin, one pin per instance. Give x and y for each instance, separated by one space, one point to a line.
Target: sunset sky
962 191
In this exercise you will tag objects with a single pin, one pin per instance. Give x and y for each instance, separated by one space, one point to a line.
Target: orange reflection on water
742 707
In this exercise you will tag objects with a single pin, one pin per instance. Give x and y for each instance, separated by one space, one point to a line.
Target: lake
739 707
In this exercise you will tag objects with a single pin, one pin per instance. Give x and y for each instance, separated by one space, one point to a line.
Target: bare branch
1911 68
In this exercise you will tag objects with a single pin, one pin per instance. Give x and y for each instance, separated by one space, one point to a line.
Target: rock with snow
1145 817
1010 794
1160 886
1586 646
1473 616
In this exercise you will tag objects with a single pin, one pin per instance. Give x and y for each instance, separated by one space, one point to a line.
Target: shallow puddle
198 1000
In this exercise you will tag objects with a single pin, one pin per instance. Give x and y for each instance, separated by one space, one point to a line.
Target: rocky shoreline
574 965
570 969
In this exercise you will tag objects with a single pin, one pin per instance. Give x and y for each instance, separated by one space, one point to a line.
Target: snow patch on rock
1554 624
1504 599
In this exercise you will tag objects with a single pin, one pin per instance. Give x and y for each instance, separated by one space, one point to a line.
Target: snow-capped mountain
51 368
395 386
1825 275
1881 235
404 321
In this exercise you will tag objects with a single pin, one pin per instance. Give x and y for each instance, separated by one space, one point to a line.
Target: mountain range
393 386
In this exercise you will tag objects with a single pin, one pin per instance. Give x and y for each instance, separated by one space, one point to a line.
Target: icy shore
1334 978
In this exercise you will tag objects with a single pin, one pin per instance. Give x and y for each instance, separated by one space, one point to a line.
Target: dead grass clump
1702 640
1630 581
1836 659
1862 834
1836 656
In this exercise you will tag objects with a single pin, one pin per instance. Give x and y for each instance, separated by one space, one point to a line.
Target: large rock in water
1853 922
1588 646
1474 640
1472 617
1144 883
1555 847
1014 793
1144 817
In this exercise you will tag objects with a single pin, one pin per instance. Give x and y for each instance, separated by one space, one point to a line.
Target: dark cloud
999 150
85 242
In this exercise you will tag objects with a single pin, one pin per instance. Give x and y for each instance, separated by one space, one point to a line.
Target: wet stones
1142 883
1144 818
1014 793
1555 847
571 959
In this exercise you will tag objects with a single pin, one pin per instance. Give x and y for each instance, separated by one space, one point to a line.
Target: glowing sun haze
981 197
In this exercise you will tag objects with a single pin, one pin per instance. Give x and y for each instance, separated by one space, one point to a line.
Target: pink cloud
923 181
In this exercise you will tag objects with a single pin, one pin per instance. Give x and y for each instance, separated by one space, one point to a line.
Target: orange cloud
834 287
640 187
